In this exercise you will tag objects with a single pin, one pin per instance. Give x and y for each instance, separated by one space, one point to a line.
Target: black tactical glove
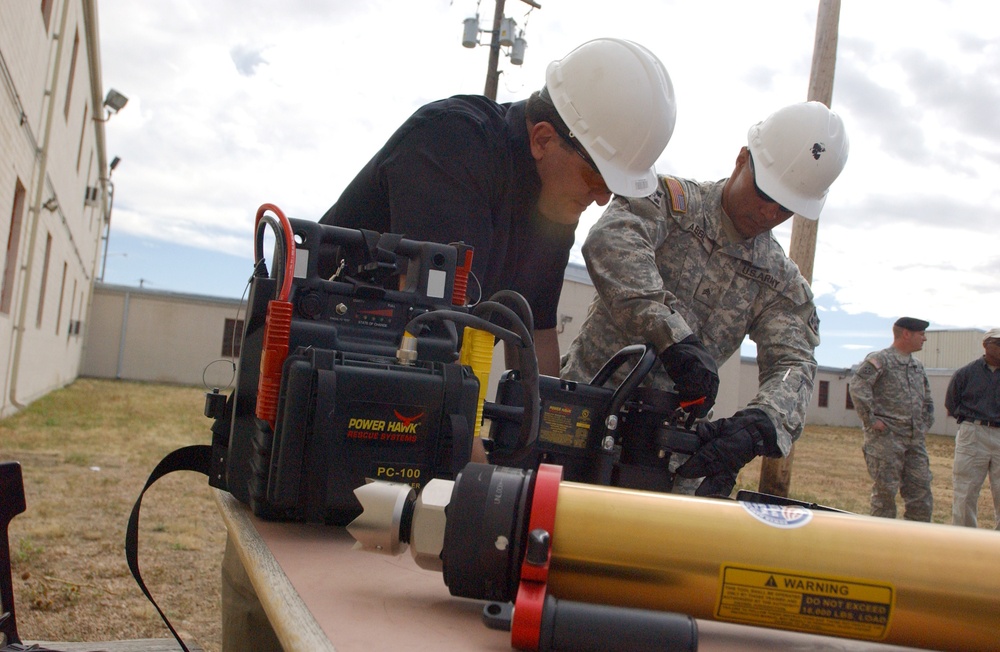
694 372
728 444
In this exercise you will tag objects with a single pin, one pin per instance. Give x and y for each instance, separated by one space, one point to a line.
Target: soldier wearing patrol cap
892 396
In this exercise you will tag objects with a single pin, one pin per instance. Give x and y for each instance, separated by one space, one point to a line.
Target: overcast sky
234 103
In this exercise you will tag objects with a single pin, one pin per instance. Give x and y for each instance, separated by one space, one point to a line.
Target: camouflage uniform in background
892 387
670 265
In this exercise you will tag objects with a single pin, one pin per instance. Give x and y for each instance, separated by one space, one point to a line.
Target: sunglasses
760 193
575 146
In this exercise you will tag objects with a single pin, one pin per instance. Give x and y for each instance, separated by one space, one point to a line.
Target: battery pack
345 418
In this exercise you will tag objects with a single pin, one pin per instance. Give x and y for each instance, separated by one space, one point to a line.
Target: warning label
565 424
819 605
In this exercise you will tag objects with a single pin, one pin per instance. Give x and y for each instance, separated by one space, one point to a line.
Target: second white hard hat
617 100
798 152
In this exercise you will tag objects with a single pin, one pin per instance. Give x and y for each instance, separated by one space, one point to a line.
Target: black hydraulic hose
523 308
526 357
632 380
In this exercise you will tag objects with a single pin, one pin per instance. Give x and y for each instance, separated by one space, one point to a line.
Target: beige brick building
54 191
157 336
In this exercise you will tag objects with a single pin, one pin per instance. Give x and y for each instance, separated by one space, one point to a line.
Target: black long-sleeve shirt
974 392
461 169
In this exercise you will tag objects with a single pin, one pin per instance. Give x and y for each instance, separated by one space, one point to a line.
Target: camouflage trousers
898 463
977 454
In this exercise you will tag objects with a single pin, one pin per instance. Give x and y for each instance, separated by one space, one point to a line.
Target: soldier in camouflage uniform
693 269
892 396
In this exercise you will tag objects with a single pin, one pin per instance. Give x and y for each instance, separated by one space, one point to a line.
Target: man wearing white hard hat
513 179
693 269
973 398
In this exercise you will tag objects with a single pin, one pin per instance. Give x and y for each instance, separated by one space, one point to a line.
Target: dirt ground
828 468
87 450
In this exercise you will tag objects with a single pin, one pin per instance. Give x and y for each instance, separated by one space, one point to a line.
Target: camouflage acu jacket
664 267
893 387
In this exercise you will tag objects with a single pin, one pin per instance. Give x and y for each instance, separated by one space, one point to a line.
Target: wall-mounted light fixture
114 101
51 204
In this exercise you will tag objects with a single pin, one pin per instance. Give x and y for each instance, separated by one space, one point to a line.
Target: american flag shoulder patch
678 201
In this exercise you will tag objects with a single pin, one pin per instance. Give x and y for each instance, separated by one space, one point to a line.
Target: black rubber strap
190 458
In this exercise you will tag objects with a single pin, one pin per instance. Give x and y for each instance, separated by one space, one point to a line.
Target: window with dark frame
46 13
83 135
13 244
62 297
45 280
850 403
824 393
72 73
72 310
232 338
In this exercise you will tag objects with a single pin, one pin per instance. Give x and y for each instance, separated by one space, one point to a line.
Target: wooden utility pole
492 72
776 474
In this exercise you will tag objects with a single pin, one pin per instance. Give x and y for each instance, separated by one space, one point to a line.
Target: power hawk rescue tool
514 535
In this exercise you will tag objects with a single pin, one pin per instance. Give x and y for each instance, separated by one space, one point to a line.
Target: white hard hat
798 152
617 100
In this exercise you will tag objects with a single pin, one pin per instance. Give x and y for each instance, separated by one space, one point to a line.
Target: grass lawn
87 449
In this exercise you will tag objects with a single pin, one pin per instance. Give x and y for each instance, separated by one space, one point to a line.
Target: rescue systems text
382 430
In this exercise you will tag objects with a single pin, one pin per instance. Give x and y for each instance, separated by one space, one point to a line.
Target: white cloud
235 103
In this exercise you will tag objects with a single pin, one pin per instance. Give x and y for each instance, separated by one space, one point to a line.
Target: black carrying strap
190 458
13 503
458 426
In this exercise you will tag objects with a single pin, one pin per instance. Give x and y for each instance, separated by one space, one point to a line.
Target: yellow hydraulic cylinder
859 577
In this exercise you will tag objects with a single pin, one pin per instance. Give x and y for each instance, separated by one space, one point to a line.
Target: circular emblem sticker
782 516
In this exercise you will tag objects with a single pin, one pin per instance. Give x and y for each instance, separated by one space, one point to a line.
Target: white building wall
41 139
574 302
156 336
837 412
951 349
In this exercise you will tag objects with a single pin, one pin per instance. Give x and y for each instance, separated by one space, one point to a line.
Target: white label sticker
436 280
781 516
